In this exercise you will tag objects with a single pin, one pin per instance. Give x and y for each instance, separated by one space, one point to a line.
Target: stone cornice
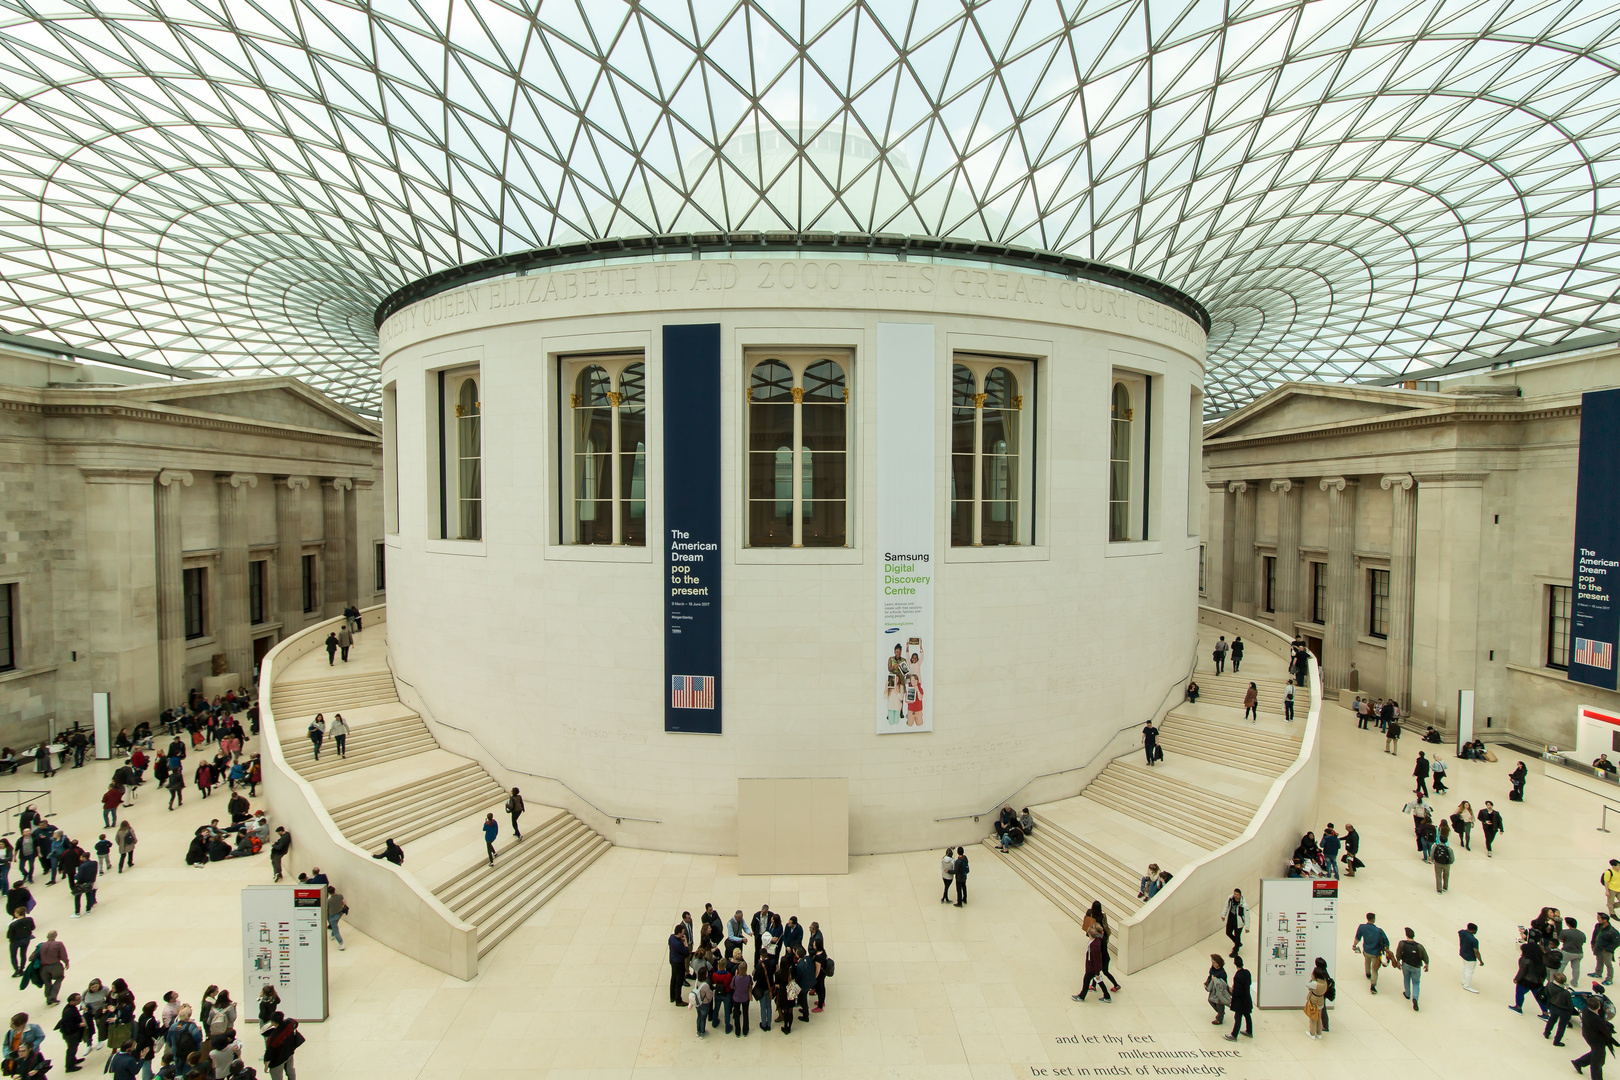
1463 479
1394 422
94 474
175 418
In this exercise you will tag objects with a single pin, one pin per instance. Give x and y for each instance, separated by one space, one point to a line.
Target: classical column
356 560
1339 646
335 568
1449 573
1402 572
1242 548
1217 547
121 614
232 631
1286 596
171 593
289 552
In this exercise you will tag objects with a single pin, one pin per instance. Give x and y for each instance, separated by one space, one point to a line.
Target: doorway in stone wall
261 646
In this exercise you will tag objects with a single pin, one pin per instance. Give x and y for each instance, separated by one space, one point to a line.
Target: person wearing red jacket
111 800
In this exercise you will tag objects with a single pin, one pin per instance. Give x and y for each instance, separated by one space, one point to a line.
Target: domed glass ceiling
1354 189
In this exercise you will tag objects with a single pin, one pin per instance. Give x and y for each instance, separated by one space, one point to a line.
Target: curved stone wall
553 651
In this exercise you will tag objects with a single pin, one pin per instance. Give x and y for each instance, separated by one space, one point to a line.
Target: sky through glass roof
1352 188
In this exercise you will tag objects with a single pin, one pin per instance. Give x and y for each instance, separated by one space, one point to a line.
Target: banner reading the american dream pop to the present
905 526
1594 625
692 528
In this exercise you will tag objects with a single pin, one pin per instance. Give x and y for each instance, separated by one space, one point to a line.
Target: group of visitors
1320 859
710 974
1223 649
1551 943
41 847
338 729
1012 829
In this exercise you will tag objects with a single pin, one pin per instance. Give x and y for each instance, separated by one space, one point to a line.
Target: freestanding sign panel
905 526
1298 923
1594 625
692 528
284 944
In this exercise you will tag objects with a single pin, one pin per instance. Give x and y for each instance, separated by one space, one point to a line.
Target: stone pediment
277 400
1299 406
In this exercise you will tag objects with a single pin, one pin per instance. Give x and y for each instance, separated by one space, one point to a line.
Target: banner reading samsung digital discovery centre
905 525
1594 618
692 528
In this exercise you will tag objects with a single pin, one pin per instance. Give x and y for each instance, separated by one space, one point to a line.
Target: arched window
607 482
989 486
469 487
798 435
1119 464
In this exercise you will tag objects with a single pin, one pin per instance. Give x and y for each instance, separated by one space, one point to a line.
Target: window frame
1268 568
380 568
10 601
1555 617
1024 371
194 602
309 583
1377 602
257 575
1319 586
1139 493
798 359
453 423
570 367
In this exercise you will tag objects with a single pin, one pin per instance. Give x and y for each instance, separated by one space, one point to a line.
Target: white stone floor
922 990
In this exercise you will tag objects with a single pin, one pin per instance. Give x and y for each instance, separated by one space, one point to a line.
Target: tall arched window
798 450
990 486
469 488
606 483
1119 464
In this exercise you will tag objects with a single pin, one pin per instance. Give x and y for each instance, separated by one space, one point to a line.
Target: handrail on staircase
618 819
1179 681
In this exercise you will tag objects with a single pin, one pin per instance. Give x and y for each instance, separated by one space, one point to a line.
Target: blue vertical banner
1594 625
692 528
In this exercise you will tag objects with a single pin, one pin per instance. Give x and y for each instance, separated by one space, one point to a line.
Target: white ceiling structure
1354 189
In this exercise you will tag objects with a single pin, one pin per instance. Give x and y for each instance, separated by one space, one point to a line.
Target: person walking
1468 949
1414 961
491 831
1219 655
317 733
19 935
345 639
1605 938
1150 741
281 1042
340 735
124 840
1462 823
84 886
1215 986
1352 847
278 849
1598 1034
113 798
331 644
1372 943
392 852
1490 823
1316 991
1437 774
177 786
961 873
1440 854
1572 947
53 965
1237 655
1392 737
1560 1009
1421 772
1251 703
1517 778
1530 977
1611 884
1235 917
1288 701
1242 1001
679 949
1094 966
71 1025
514 807
947 874
335 910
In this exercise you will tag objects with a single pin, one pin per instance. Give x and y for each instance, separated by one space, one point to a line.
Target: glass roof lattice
1353 189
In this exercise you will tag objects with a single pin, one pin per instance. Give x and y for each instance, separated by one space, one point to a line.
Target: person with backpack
701 1001
1216 988
1440 854
514 807
1414 961
1219 655
961 872
185 1036
1392 738
280 1043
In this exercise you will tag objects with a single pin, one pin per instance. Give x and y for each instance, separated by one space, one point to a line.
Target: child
104 852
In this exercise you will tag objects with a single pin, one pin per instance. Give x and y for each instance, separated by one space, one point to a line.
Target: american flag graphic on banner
691 691
1598 654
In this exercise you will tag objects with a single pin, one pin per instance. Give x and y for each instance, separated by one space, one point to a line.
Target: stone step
1118 791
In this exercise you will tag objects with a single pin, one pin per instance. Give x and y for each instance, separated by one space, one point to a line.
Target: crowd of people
710 974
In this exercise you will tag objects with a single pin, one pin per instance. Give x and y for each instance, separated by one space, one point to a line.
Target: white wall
553 655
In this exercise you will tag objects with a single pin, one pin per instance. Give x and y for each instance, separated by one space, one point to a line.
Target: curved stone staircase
1216 772
396 782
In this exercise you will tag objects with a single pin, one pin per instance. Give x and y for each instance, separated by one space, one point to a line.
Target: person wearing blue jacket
491 831
1372 943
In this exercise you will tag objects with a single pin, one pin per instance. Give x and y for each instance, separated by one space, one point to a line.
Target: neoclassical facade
657 527
148 528
1421 541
